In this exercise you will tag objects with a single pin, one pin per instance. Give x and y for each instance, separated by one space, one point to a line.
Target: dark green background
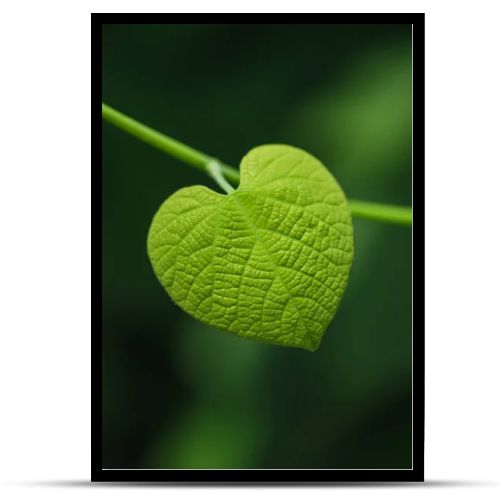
179 394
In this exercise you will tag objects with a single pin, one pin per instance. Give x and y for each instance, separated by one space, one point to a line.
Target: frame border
282 476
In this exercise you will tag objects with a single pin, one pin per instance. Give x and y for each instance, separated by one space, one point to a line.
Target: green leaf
268 262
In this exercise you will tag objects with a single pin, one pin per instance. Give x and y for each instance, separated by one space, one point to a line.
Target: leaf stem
215 171
220 171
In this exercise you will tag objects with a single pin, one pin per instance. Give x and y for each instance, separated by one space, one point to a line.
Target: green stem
378 211
220 171
166 144
214 169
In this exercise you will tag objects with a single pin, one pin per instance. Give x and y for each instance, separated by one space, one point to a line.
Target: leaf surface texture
269 261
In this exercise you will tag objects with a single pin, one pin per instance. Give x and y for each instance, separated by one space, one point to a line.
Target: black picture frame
265 476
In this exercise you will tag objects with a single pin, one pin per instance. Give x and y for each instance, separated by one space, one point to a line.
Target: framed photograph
262 225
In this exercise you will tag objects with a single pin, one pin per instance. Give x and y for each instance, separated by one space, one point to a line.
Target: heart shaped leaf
268 262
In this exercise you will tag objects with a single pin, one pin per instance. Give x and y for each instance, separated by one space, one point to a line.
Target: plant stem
166 144
220 171
377 211
215 171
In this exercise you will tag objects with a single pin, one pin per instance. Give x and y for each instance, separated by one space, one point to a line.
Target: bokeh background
179 394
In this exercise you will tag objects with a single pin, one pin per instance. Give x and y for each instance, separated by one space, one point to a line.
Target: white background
45 248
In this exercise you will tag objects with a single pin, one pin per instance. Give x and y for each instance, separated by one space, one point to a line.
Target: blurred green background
179 394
